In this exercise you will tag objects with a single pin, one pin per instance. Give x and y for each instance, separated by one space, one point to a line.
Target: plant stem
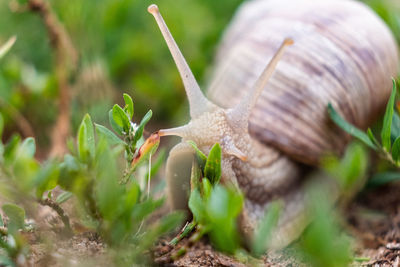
187 229
64 217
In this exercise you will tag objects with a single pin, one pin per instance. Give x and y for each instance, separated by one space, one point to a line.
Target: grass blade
350 129
387 120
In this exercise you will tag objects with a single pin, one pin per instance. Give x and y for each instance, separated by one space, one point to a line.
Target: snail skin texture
338 52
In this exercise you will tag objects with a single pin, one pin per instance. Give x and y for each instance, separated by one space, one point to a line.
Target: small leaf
121 118
347 127
46 178
387 120
195 176
1 221
140 129
109 135
64 196
395 126
196 206
383 178
170 222
16 216
353 165
263 233
207 188
128 105
10 149
118 129
396 149
200 156
27 148
7 46
148 148
372 138
86 142
212 169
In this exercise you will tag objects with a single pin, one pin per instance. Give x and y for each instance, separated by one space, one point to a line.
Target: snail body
342 54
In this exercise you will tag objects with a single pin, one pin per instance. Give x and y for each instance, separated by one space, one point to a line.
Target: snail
271 119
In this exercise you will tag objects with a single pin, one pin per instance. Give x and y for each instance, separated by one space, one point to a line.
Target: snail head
210 123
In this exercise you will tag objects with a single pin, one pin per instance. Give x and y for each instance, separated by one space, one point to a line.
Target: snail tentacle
197 101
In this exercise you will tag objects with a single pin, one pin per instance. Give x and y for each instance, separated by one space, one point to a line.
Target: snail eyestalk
197 101
239 115
178 131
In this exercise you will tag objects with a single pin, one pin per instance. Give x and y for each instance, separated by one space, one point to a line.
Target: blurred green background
120 50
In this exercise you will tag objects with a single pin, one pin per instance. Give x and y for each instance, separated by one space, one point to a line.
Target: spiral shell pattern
343 54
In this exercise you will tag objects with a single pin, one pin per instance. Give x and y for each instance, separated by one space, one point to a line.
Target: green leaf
224 203
383 178
128 105
195 176
109 135
6 261
396 149
395 126
223 208
140 129
387 120
64 196
46 178
207 188
263 233
16 216
86 142
27 148
10 149
1 221
372 138
170 222
196 206
131 195
353 165
200 156
7 46
347 127
121 118
212 169
118 129
145 208
107 190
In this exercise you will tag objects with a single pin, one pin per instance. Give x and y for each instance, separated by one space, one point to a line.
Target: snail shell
343 54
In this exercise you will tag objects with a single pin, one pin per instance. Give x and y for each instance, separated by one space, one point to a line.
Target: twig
64 217
66 60
21 122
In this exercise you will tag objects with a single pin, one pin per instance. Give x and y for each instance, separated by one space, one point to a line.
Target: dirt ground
372 219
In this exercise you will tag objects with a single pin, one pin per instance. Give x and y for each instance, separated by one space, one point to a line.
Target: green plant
324 242
389 146
115 202
215 208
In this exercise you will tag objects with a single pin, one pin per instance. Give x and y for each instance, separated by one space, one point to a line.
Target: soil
372 219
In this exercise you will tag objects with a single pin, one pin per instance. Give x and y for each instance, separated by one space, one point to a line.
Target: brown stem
21 122
66 58
64 217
